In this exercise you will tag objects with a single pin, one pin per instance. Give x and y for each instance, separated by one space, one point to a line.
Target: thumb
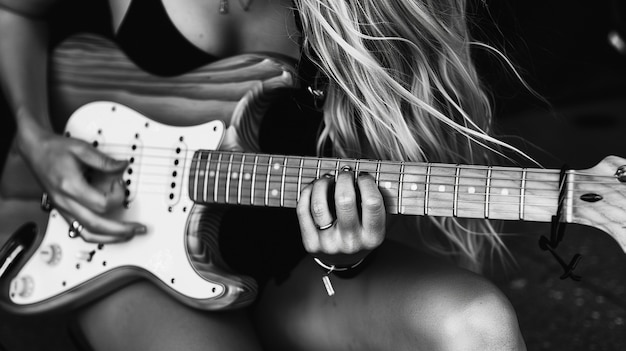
99 161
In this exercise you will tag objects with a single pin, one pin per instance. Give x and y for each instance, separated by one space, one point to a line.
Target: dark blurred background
562 49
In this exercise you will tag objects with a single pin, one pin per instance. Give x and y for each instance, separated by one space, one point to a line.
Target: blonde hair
402 86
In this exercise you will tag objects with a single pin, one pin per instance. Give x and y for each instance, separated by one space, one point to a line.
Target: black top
149 37
267 243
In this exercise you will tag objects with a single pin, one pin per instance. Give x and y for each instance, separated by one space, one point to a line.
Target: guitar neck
407 188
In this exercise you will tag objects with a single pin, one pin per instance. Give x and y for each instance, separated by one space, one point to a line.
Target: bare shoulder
30 8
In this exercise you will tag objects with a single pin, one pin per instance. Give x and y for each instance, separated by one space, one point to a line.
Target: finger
310 238
321 211
373 209
97 201
346 203
95 159
91 237
97 228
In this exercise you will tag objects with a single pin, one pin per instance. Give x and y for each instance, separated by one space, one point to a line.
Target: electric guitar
192 146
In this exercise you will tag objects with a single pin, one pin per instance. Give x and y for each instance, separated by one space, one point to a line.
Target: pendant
223 7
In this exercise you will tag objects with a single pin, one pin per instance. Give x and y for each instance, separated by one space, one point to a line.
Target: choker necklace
245 5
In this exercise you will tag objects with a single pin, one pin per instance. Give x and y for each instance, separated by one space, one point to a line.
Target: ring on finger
45 204
75 229
326 226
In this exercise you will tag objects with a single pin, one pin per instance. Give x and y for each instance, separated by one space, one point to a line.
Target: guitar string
261 173
417 201
384 163
261 178
260 188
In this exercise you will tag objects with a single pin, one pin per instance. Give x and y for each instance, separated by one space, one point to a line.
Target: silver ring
75 229
46 204
324 227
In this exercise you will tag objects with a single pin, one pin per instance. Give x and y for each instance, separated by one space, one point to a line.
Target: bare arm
23 65
58 163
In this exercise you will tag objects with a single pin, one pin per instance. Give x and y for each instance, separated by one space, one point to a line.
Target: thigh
142 317
401 300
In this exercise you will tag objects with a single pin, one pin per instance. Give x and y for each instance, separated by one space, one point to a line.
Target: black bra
149 38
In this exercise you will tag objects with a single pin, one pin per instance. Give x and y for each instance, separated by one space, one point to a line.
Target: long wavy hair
401 85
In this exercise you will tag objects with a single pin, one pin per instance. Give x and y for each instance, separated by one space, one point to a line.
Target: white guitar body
157 181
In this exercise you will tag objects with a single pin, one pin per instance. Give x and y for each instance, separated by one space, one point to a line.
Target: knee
483 321
464 313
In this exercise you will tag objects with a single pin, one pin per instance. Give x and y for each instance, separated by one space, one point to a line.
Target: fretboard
431 189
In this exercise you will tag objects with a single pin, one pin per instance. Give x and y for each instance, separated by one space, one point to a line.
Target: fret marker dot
276 166
234 175
247 176
387 185
505 192
471 190
212 174
442 188
413 187
274 192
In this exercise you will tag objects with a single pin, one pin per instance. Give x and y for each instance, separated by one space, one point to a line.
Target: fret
267 180
241 177
207 172
357 166
300 168
337 169
330 166
228 176
455 202
377 179
389 177
319 164
569 195
522 197
197 158
504 193
310 170
195 170
217 177
541 195
367 166
488 191
427 189
400 190
274 185
471 191
441 193
413 176
253 185
292 172
282 183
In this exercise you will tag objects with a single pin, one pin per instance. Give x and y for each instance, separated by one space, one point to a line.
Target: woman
398 83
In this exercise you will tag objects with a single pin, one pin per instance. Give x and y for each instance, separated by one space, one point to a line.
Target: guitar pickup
174 182
133 152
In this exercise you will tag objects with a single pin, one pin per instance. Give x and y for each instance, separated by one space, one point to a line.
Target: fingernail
363 173
140 230
328 176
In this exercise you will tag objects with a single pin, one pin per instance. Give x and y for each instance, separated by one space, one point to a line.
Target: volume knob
22 286
51 254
